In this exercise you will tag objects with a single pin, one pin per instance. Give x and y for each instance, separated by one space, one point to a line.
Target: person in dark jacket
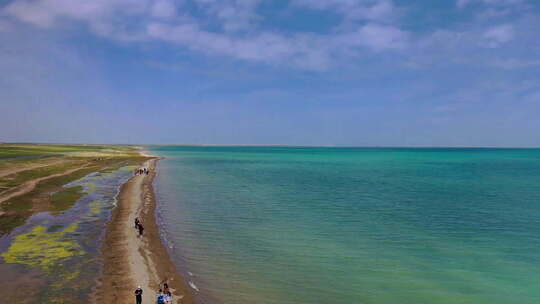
141 229
138 295
160 297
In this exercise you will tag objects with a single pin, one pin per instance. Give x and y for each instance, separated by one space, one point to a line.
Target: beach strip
129 260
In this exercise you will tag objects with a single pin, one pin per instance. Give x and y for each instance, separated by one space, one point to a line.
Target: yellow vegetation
42 249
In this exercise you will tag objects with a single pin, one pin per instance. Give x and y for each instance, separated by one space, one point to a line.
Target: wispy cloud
371 10
499 34
241 71
237 29
166 20
514 63
500 3
234 15
377 37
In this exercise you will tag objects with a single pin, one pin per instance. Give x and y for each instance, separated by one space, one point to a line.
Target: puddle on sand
55 258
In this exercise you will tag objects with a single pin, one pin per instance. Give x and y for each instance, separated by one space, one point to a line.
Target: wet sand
130 260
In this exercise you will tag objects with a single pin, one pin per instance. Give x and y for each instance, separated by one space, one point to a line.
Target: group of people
164 295
142 171
139 226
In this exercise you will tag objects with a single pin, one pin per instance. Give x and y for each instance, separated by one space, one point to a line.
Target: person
141 229
160 297
138 295
165 287
137 223
168 298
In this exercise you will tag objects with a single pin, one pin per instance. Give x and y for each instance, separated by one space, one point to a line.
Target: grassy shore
61 253
32 177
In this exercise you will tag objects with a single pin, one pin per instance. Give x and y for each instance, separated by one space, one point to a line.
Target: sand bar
130 260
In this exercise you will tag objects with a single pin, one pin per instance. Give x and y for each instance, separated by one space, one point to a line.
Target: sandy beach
130 260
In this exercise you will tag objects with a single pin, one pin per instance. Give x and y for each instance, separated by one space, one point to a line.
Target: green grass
23 204
10 151
25 151
51 192
18 178
8 222
20 154
65 199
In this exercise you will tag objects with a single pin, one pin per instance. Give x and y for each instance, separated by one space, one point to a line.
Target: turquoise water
354 225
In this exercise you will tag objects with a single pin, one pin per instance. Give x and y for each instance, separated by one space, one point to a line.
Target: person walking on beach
168 297
160 297
138 295
165 288
141 229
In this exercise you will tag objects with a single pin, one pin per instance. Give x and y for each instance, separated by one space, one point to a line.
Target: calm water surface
354 225
55 256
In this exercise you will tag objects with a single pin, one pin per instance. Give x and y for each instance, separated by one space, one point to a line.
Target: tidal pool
55 256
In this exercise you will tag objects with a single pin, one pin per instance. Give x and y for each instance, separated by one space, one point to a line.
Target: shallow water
354 225
55 257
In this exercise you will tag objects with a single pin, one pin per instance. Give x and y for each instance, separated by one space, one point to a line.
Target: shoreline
129 260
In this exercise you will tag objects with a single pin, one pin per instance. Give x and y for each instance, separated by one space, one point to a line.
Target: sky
262 72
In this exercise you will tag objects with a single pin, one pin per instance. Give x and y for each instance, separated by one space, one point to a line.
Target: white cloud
514 63
233 28
46 12
166 20
380 37
503 2
498 35
373 10
109 18
490 13
163 9
310 51
464 3
266 47
234 15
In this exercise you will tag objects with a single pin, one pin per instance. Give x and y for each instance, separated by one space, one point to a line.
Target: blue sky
297 72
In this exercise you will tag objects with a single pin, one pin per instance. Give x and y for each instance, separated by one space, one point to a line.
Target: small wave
192 285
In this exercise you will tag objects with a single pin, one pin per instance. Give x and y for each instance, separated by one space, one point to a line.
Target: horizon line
270 145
